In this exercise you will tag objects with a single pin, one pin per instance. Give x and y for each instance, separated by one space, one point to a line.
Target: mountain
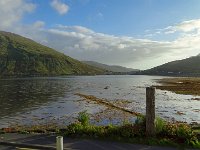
20 56
111 68
186 67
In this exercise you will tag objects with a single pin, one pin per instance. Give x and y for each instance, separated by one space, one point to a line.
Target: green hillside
112 69
20 56
186 67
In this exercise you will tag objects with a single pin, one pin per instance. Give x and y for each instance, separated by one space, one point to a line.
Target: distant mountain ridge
185 67
20 56
111 68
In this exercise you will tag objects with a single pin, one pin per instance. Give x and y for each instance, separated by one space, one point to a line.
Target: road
70 143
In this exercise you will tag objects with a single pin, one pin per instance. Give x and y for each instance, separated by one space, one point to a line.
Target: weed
83 117
160 125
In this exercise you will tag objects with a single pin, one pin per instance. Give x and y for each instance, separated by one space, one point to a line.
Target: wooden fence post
150 111
59 143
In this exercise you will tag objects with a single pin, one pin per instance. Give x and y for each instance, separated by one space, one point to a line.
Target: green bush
74 128
160 125
180 133
166 133
83 117
132 130
141 120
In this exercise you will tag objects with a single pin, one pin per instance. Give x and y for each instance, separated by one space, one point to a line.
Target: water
40 100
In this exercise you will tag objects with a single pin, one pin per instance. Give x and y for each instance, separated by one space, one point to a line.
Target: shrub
112 131
166 133
141 120
180 132
83 117
127 131
74 128
159 125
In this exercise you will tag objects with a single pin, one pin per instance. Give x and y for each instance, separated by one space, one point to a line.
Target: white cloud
60 7
12 11
122 46
85 44
78 29
188 26
183 27
90 45
39 24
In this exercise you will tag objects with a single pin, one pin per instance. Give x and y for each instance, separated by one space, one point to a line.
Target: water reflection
43 98
21 95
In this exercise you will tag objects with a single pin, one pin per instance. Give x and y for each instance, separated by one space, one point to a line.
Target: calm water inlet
30 100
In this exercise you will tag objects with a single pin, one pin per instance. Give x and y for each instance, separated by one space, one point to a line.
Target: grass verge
179 135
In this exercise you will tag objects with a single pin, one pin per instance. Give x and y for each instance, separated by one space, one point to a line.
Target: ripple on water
39 100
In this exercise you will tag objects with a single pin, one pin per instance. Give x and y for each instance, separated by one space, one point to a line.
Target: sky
140 34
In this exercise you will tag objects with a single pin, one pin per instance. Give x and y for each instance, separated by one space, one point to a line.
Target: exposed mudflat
188 86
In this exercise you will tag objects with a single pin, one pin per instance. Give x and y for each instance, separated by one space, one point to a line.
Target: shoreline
181 85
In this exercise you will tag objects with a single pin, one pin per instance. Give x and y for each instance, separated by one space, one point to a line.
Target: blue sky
133 33
118 17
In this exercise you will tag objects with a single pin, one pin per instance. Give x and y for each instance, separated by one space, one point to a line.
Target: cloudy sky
133 33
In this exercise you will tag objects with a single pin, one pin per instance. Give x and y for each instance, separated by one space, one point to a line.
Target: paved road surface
69 143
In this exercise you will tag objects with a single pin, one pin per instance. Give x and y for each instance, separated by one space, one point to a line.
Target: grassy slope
22 56
112 68
188 66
